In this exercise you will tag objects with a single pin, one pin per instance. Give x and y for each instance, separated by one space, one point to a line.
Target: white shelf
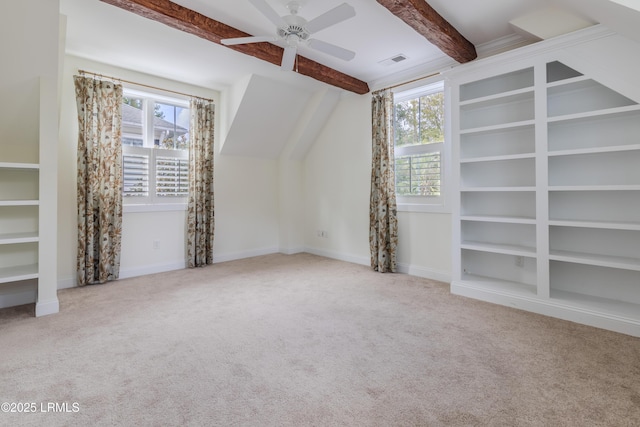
17 273
597 260
497 248
499 285
595 150
19 202
12 238
9 165
506 97
500 219
609 225
497 189
491 128
596 113
499 158
567 81
594 187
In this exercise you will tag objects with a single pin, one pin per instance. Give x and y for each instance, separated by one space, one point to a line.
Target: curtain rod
102 76
412 81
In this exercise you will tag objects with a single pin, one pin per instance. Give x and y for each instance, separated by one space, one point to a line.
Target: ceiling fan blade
243 40
269 13
288 58
331 49
332 17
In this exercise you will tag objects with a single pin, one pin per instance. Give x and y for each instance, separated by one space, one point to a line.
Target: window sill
164 207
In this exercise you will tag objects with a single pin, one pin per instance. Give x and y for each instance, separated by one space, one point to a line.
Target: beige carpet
302 340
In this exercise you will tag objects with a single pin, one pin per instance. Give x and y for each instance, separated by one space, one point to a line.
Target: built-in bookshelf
27 205
547 212
19 183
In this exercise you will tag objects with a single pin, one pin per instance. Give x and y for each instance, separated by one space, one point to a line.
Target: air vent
393 60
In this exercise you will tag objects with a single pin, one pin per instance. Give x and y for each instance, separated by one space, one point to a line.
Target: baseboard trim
355 259
412 270
66 283
424 272
550 307
292 251
45 308
245 254
151 269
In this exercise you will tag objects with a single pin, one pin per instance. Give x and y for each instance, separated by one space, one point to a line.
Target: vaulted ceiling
431 35
380 31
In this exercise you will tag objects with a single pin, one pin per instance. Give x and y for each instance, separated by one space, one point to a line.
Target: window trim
429 204
152 203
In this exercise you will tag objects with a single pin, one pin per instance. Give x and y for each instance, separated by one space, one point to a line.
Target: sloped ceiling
272 108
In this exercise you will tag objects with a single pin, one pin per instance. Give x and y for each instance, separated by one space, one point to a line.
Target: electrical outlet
156 244
319 233
519 261
325 234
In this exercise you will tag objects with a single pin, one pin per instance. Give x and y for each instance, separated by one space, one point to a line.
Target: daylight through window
155 144
419 130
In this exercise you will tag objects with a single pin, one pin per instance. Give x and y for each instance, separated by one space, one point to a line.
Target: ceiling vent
393 60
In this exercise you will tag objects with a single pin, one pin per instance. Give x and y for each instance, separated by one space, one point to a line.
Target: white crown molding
577 37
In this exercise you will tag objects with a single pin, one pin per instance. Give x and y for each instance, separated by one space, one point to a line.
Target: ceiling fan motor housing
295 30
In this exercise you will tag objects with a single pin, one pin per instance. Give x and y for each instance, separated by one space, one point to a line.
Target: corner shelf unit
547 208
28 204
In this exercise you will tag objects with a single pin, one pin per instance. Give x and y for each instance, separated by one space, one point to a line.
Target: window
419 131
155 149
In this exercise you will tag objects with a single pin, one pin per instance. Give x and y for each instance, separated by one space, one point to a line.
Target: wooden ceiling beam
192 22
428 23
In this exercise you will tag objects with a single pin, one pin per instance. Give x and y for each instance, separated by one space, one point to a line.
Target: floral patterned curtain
383 223
99 180
200 210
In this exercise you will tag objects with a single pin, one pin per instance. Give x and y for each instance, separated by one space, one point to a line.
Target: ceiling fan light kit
293 30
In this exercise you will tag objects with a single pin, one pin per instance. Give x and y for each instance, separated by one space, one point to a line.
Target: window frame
429 204
152 202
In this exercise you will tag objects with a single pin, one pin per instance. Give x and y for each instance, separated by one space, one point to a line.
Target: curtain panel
99 186
383 222
200 209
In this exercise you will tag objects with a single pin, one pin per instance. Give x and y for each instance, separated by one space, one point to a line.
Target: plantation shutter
136 175
172 177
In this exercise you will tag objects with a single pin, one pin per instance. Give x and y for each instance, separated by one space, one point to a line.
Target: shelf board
597 113
19 202
595 150
500 248
500 158
500 219
11 238
11 165
624 263
608 225
492 128
500 285
594 188
603 305
496 189
568 81
17 273
516 94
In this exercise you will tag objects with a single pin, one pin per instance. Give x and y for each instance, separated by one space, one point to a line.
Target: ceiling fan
294 30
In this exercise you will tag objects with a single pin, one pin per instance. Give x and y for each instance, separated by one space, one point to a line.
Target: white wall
28 119
245 195
337 174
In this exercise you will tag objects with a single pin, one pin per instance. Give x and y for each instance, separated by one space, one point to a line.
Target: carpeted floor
300 340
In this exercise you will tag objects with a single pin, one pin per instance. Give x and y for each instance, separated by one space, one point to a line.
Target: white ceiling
105 33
